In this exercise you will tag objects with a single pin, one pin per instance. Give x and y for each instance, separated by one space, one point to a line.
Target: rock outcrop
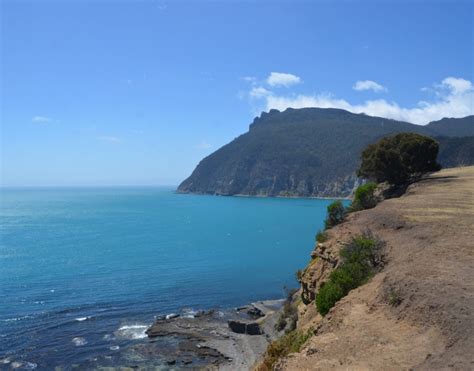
249 328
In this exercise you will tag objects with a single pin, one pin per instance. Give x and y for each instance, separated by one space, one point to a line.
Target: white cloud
203 145
109 138
454 98
250 79
42 119
456 85
282 79
368 85
259 92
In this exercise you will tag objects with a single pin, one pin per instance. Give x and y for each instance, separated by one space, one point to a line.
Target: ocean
84 271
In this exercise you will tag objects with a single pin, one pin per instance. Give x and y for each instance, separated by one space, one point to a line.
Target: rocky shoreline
227 340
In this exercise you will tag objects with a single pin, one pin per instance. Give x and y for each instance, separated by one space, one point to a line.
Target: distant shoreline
264 196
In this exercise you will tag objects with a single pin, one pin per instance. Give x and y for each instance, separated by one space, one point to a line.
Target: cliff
417 312
312 152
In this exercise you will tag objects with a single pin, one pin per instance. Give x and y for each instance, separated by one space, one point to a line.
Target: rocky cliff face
417 313
308 152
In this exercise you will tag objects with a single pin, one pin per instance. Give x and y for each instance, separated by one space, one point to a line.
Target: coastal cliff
416 312
313 152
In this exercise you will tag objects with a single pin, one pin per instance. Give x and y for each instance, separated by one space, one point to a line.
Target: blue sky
138 92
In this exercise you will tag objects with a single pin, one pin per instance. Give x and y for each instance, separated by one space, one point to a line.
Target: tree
364 197
336 214
399 158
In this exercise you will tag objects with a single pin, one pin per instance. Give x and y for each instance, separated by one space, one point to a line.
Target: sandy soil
418 312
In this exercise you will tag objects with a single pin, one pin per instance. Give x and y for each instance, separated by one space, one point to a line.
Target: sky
103 93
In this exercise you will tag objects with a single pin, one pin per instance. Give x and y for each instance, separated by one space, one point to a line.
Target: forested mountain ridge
453 127
308 152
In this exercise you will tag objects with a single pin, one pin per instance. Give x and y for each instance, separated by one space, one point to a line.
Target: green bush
336 214
292 342
399 158
321 236
364 197
365 248
328 295
360 257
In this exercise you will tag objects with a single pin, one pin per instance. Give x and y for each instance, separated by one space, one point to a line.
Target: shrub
365 248
291 342
399 158
394 297
364 197
321 236
281 323
360 257
299 274
328 295
336 214
289 314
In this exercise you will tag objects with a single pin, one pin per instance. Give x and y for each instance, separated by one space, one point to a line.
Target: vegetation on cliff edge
360 258
400 158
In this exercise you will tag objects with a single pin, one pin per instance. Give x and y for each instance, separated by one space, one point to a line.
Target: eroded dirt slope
417 313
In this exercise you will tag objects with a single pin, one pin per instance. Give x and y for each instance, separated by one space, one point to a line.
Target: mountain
457 151
452 127
308 152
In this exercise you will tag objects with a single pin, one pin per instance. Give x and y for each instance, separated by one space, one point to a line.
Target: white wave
81 319
171 315
79 341
132 331
189 313
16 318
24 365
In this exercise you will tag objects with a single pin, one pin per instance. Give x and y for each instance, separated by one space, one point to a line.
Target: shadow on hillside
439 179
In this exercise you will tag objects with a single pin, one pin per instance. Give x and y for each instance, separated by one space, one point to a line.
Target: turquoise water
84 271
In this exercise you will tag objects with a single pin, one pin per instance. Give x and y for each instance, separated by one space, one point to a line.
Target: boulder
255 312
251 328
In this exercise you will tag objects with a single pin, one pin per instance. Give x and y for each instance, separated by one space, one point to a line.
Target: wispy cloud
259 92
109 139
250 79
203 145
282 79
454 97
362 85
42 119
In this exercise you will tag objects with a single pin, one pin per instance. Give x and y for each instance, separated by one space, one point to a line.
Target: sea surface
84 271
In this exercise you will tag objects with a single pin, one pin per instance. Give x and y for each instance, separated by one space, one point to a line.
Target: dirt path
418 312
